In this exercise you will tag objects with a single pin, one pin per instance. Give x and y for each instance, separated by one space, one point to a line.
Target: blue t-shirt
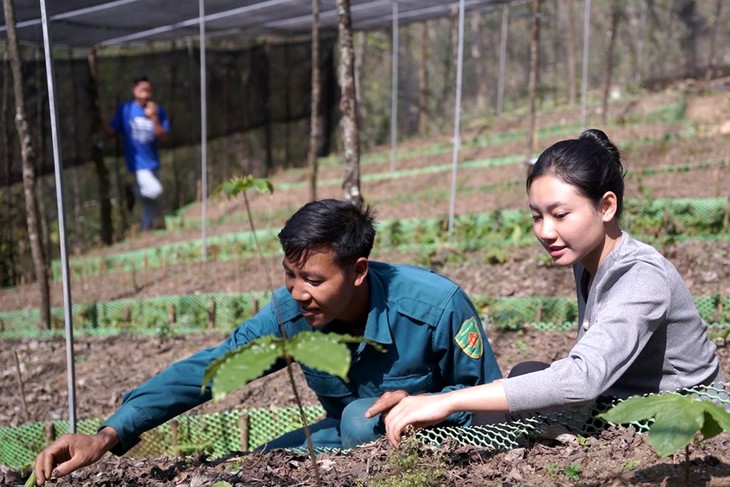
432 335
138 133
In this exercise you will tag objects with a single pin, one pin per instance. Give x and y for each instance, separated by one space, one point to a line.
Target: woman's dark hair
329 224
591 163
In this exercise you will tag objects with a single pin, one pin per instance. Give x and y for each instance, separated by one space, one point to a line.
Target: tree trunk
688 14
423 81
477 57
608 66
28 158
571 60
314 118
360 53
504 32
534 64
8 276
712 52
348 107
96 135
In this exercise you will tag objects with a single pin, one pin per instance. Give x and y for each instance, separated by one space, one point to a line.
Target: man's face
324 291
142 92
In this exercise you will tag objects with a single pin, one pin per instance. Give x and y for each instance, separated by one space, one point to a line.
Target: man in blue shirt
142 123
432 336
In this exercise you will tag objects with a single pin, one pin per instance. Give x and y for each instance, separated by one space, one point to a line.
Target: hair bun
600 138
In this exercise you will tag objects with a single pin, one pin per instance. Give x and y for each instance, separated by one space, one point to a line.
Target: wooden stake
211 313
19 377
243 429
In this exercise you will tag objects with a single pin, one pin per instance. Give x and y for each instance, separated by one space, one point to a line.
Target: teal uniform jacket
431 332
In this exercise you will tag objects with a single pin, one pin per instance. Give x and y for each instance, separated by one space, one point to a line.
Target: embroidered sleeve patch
469 339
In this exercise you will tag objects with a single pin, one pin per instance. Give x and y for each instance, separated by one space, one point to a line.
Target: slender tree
8 247
28 159
477 57
571 59
314 129
534 66
608 66
712 51
423 81
348 106
97 156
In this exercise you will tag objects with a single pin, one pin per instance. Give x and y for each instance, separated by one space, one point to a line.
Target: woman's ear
361 270
609 206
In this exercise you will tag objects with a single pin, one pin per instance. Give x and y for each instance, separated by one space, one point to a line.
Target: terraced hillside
153 300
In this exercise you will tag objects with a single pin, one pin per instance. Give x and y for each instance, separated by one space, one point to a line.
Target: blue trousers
350 431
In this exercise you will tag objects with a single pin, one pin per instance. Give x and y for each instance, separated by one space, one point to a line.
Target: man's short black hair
140 78
329 224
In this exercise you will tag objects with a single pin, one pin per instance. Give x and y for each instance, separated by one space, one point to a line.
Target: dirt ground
106 367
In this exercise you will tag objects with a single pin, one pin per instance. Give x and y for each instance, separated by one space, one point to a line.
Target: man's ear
361 270
609 206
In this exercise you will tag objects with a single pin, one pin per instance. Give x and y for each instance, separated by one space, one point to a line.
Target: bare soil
107 367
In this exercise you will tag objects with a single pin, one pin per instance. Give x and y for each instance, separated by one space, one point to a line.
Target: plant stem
305 424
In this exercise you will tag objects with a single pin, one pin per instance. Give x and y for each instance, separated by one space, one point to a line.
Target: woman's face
567 224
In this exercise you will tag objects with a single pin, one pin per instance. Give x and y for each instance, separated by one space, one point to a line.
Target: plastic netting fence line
198 313
183 220
521 432
219 434
679 219
216 434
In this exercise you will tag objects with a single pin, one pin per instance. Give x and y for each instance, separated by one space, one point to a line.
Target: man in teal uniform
430 330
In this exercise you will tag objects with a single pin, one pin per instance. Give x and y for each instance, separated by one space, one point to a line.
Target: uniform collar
377 327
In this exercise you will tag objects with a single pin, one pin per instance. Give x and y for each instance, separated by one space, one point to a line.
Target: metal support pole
586 46
457 118
67 315
203 132
394 90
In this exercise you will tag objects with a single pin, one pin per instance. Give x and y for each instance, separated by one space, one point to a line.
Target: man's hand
71 452
150 110
385 403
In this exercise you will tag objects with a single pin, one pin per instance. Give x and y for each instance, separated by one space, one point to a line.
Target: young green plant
677 419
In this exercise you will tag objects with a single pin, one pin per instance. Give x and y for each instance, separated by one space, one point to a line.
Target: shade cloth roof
84 23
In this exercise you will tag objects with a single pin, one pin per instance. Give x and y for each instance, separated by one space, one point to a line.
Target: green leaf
222 483
638 408
677 419
237 368
241 184
321 351
717 420
675 427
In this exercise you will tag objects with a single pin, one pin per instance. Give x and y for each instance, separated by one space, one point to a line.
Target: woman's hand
418 411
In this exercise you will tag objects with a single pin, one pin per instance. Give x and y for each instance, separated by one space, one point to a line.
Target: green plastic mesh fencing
198 313
219 434
653 221
521 432
215 434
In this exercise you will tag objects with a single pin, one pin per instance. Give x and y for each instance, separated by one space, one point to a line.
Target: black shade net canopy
84 23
